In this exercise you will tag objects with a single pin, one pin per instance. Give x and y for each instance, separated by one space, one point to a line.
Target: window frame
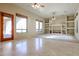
22 16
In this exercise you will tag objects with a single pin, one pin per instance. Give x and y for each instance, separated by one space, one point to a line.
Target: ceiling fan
37 5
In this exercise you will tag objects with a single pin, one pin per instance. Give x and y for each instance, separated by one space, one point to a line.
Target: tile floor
39 47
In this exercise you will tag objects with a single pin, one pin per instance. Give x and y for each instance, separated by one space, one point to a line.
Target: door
7 27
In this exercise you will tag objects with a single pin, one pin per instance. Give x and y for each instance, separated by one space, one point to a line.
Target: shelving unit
54 28
70 25
47 26
67 27
64 28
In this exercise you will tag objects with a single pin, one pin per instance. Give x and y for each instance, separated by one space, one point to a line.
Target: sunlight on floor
57 36
38 43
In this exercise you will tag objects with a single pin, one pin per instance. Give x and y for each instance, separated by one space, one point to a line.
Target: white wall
13 9
60 19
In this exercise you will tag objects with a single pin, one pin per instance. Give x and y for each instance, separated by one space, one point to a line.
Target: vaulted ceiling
58 8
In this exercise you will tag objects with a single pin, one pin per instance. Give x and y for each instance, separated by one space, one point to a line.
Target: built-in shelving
70 25
67 27
46 25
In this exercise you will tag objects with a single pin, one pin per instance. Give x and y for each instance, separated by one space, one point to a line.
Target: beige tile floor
39 47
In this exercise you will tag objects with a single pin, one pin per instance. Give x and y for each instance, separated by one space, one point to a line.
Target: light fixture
53 17
37 5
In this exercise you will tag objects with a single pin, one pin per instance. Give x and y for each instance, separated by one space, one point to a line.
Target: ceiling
58 8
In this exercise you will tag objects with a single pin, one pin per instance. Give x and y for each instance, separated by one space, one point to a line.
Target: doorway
7 26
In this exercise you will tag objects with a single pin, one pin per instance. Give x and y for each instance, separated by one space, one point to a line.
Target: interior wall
59 19
13 9
77 26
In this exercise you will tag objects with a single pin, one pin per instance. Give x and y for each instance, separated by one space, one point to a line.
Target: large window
21 24
39 26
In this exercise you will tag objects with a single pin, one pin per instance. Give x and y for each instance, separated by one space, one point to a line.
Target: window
39 25
21 24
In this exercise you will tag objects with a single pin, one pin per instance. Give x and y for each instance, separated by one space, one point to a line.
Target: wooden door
7 26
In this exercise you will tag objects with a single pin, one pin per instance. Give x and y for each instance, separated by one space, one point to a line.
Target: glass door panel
7 27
